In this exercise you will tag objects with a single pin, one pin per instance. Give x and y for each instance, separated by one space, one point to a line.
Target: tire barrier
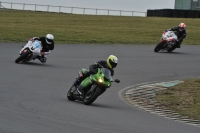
174 13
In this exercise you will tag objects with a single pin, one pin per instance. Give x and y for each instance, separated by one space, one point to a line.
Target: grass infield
18 26
184 98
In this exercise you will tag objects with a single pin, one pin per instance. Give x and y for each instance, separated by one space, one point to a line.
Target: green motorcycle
96 85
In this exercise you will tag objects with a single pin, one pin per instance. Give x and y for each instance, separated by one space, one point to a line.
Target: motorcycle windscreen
36 44
106 73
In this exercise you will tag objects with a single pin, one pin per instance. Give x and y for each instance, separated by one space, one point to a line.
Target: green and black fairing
102 78
94 86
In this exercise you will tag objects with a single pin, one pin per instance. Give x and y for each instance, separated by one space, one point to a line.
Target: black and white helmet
49 38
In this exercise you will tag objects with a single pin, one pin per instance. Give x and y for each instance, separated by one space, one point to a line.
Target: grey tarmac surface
33 95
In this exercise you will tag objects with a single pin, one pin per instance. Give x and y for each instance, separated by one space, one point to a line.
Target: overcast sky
129 5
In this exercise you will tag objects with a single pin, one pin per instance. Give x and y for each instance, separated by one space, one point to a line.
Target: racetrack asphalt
33 95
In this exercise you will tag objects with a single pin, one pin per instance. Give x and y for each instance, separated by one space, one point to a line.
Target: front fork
26 50
164 43
94 86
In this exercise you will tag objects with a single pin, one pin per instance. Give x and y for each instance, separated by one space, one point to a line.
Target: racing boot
178 45
42 59
80 90
77 81
80 78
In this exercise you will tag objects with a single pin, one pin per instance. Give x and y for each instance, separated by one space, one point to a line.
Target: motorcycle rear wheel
70 95
158 47
171 49
21 57
90 97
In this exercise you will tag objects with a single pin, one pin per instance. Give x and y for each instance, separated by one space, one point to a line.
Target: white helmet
49 38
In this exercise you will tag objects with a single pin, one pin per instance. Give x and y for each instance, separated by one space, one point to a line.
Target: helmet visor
49 40
181 28
113 64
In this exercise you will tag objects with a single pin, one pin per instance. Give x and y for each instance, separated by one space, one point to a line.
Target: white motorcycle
31 51
168 41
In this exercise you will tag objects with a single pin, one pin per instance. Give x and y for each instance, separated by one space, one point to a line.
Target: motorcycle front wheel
91 96
158 47
70 95
21 57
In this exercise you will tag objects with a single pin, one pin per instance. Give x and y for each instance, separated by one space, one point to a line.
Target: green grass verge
18 26
183 98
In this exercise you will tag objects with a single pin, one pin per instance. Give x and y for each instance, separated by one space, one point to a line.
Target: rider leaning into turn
47 44
93 69
180 32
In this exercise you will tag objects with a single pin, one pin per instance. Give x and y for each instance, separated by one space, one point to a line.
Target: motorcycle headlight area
100 80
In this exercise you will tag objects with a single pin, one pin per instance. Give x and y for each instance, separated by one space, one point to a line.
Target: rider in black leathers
47 44
93 69
181 33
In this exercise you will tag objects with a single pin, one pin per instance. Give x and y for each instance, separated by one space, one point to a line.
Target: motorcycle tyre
158 47
170 50
92 98
70 95
21 57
